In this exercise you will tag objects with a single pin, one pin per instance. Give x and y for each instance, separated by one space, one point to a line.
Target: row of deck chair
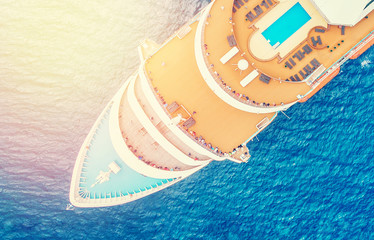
298 55
231 40
316 41
258 10
305 72
238 4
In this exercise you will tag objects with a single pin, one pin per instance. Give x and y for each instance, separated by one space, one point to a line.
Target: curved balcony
214 82
157 105
175 168
154 132
162 127
96 154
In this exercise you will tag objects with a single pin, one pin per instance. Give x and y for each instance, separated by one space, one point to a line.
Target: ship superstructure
211 88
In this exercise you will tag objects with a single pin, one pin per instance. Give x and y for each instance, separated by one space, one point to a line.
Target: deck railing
231 92
342 60
169 115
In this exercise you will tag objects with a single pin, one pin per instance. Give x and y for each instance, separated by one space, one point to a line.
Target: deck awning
344 12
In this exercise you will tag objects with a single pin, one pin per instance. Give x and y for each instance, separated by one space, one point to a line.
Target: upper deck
174 74
280 74
285 70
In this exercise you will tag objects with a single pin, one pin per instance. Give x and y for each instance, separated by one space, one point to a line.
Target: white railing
214 83
342 60
153 131
127 156
74 194
161 110
312 77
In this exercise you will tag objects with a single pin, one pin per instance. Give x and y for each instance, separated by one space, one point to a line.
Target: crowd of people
199 139
209 146
242 97
141 157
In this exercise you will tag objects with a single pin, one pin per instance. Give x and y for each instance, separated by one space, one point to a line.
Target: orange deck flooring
174 71
175 74
220 26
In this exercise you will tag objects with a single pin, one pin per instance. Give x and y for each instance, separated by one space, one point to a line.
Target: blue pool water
310 177
286 25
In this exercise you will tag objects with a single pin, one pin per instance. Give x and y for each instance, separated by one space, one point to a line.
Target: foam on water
310 177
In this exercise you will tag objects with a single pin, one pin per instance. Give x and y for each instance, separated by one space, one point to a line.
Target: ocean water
310 177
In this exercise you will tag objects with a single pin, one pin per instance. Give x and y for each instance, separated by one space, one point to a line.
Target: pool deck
257 44
174 73
278 90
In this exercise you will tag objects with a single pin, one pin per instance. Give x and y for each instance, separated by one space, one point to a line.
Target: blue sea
310 177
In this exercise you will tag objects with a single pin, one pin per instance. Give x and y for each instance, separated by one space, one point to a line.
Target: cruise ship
211 88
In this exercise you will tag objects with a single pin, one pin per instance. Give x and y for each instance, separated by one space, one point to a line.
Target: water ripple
310 177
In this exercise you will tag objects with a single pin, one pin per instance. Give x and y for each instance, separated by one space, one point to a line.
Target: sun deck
174 74
246 66
142 144
283 70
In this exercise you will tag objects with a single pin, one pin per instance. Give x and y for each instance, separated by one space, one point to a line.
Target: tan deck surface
263 50
220 26
174 71
179 79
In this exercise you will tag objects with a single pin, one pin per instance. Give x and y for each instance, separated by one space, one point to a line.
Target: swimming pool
286 25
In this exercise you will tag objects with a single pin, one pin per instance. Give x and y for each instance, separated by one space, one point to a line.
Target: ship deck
176 77
124 186
174 73
254 48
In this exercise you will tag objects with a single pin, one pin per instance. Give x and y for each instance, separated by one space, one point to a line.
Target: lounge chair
288 65
189 123
250 16
258 10
237 5
303 74
315 63
343 30
316 41
265 79
292 61
172 107
299 55
307 49
231 40
240 2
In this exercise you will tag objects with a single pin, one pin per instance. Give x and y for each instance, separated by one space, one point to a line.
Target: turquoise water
100 154
286 25
310 177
